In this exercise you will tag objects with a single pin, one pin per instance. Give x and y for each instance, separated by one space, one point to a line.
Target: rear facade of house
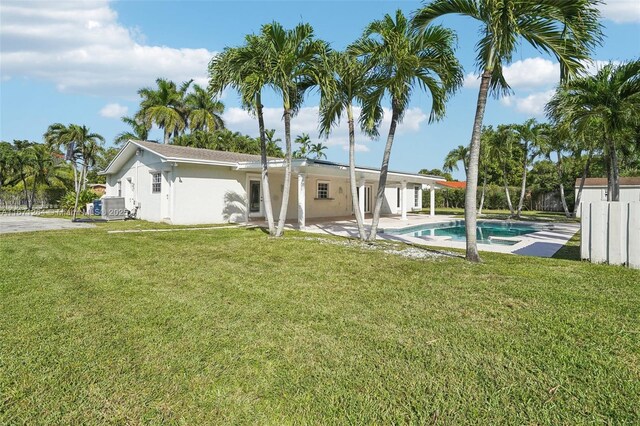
183 185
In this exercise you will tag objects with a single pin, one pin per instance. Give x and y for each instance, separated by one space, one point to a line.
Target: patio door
255 198
368 189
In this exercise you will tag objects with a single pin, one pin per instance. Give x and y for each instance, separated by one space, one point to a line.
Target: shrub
69 199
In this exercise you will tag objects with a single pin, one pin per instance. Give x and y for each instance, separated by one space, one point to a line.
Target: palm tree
139 131
530 135
345 81
295 55
204 111
403 59
612 98
484 161
305 146
568 29
555 139
501 147
317 149
272 147
461 153
164 107
6 162
247 70
43 167
21 164
82 146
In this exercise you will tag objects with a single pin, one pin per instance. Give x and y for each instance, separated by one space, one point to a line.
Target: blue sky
82 62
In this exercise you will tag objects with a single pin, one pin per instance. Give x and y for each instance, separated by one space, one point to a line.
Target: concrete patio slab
543 243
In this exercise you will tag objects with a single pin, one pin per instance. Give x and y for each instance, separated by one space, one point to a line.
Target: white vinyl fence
610 233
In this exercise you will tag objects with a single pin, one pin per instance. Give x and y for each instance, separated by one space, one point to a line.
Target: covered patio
321 191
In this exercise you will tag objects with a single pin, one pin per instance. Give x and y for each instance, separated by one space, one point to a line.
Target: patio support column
361 196
403 202
432 200
301 200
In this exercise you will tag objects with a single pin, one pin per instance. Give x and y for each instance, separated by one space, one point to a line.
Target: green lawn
230 326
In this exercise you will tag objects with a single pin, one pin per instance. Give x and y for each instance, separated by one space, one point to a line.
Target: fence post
633 234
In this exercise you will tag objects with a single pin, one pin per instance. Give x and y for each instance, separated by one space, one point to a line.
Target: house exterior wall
201 194
593 194
134 181
206 194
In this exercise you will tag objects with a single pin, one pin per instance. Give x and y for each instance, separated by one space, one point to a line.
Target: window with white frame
119 187
398 197
323 190
417 199
156 182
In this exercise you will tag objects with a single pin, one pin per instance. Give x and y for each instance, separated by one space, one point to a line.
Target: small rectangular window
156 182
323 190
417 199
398 197
119 186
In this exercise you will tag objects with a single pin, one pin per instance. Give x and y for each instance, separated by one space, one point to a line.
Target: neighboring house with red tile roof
451 184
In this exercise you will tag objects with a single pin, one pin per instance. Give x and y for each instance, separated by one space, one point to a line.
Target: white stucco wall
201 194
135 183
206 194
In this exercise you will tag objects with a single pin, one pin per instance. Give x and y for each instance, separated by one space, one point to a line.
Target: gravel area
387 248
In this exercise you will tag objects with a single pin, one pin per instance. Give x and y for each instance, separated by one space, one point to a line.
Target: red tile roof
453 184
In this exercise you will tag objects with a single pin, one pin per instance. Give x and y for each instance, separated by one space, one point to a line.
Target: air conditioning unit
113 208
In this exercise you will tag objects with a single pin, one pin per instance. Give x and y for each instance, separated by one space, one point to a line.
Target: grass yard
229 326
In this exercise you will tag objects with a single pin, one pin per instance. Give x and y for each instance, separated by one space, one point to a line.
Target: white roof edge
194 161
304 162
106 170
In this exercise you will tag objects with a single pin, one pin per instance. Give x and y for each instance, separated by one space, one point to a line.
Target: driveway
11 224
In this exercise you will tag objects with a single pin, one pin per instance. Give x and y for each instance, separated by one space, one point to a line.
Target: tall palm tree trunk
384 169
83 182
585 172
287 173
614 183
266 191
33 192
471 191
484 186
561 177
352 175
167 136
506 190
25 189
523 188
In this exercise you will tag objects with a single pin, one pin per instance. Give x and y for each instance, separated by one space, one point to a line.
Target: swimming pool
489 232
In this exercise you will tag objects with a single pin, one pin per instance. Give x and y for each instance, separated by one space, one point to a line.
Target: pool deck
543 243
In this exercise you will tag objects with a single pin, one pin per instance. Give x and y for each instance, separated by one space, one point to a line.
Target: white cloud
532 104
306 121
526 73
113 110
81 47
621 11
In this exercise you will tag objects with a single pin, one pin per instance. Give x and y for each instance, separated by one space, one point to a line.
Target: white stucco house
595 190
183 185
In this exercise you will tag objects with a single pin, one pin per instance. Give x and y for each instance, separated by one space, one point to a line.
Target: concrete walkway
12 224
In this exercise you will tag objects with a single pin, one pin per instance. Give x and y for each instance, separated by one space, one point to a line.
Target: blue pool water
488 232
